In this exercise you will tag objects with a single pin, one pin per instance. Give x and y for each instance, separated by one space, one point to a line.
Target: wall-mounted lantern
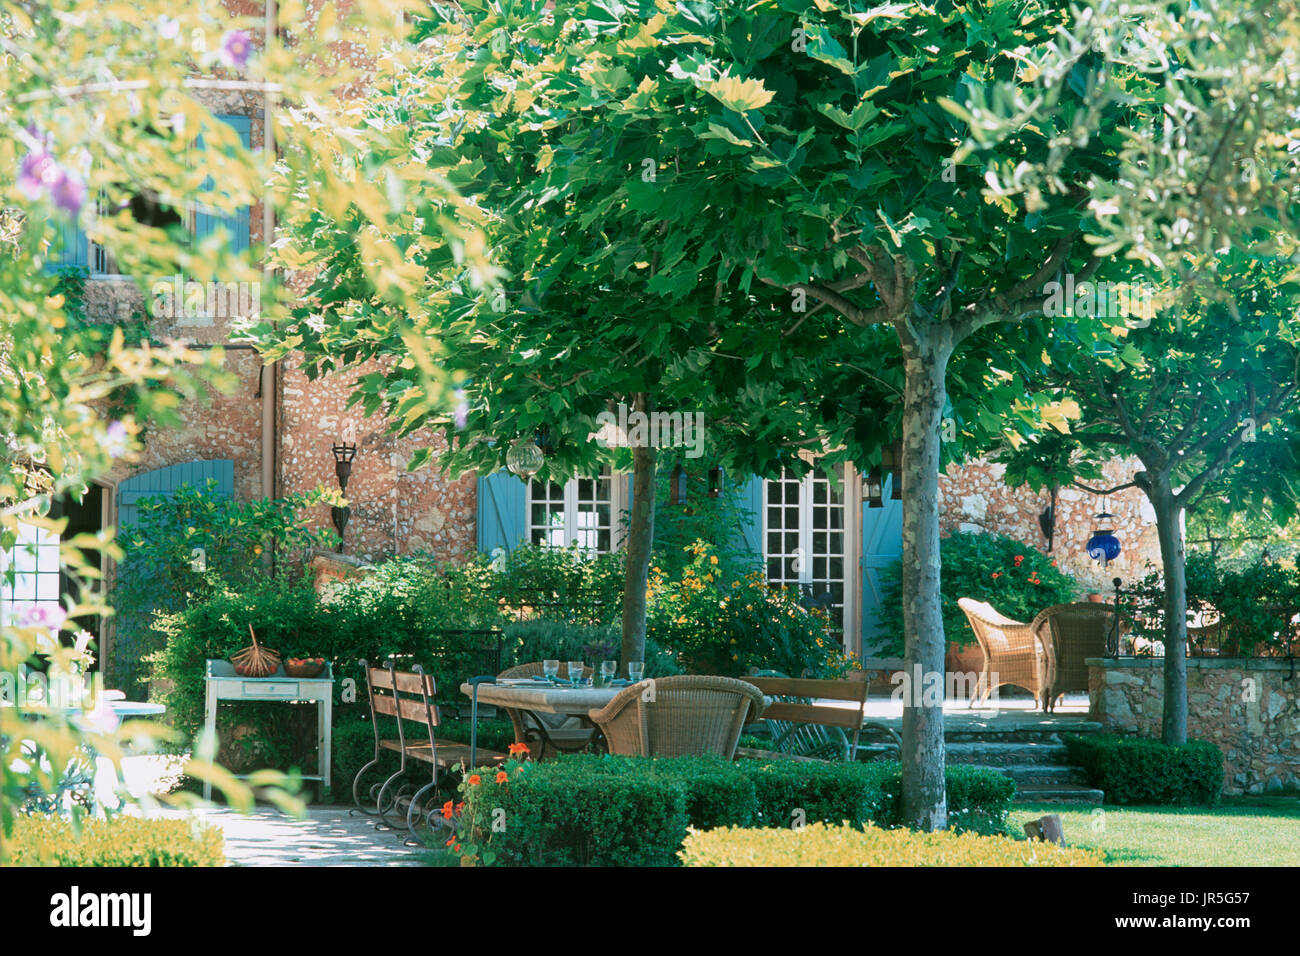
677 486
344 454
715 481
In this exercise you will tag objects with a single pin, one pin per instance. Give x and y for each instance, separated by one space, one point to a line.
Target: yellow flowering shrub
121 841
821 845
731 625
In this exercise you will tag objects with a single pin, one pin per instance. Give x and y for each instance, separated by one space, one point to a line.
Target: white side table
224 684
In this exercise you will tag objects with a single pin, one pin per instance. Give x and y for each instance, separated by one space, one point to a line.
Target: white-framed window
806 530
582 512
34 561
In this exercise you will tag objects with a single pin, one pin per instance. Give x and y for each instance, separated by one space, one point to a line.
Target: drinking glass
575 672
607 671
635 671
550 669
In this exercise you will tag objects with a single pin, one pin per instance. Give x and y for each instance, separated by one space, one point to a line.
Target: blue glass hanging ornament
1103 546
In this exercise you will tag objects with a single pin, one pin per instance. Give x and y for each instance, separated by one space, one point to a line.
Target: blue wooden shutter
749 533
882 545
236 224
70 247
502 512
163 482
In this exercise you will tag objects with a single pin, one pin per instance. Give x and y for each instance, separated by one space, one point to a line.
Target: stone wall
973 497
1246 707
393 510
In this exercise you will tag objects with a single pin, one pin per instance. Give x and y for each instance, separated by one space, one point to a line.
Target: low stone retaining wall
1245 706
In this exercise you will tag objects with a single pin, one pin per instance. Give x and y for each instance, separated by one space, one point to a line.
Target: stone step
1003 753
1043 775
970 732
1062 793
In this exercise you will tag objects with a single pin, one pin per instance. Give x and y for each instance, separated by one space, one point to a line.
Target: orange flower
1053 562
1019 559
519 749
996 575
475 780
456 848
450 841
502 776
448 809
460 806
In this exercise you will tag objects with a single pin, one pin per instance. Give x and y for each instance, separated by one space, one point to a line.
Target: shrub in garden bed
1133 770
620 811
821 844
1016 578
731 626
121 841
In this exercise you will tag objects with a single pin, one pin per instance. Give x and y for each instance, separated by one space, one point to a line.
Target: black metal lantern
344 454
873 489
891 462
677 486
1103 546
715 481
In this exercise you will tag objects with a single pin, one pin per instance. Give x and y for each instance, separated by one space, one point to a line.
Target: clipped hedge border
120 841
587 810
1135 770
819 844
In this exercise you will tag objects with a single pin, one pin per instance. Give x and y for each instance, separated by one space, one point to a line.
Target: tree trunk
924 799
640 540
1169 529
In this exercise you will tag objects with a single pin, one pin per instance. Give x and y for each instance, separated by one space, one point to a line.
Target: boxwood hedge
1135 770
586 810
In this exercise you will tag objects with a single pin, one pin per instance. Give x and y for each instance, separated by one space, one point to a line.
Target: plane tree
809 163
1204 399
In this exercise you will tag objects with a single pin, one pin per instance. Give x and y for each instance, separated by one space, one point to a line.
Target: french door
806 537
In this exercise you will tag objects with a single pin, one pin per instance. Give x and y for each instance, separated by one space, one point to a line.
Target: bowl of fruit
304 666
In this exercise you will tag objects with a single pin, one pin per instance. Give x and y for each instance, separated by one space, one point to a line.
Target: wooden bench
411 698
800 725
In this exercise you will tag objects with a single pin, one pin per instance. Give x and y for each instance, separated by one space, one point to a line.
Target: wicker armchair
565 732
671 716
1070 634
1012 654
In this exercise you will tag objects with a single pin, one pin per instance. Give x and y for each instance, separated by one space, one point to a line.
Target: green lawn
1241 831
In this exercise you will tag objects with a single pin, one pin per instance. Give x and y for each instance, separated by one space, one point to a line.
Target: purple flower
117 439
37 174
45 615
69 194
41 175
461 414
235 47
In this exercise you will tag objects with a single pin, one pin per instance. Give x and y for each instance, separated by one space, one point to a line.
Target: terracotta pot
963 660
1097 598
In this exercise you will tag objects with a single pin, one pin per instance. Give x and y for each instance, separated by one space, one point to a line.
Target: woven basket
305 670
255 661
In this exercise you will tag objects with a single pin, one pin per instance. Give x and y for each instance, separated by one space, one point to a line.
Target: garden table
98 777
530 698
